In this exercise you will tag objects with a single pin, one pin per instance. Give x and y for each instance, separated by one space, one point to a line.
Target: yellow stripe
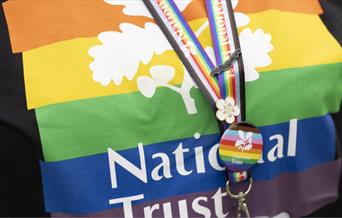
60 72
299 40
239 154
203 67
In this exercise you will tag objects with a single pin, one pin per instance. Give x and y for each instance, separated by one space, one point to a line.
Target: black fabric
20 183
332 17
20 147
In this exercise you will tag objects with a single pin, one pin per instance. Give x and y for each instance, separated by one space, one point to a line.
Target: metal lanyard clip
242 210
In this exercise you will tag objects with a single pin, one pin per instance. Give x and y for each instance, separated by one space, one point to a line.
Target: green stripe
90 126
87 127
278 96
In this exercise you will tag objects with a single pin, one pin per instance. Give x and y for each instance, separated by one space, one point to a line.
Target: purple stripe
214 36
193 69
213 32
295 193
238 168
191 34
231 28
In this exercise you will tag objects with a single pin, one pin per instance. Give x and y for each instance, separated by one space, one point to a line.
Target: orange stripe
200 64
240 154
227 77
36 23
202 68
196 9
233 148
210 81
232 85
302 6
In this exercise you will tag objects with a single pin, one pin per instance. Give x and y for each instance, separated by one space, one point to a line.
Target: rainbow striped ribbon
193 55
186 45
240 176
225 41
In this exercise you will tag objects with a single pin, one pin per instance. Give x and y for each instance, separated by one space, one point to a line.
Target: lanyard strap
227 48
187 46
176 29
223 85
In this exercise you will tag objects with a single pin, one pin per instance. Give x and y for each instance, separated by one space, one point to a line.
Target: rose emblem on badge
227 110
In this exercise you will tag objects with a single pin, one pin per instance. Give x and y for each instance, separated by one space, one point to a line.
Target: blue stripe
201 50
192 35
213 31
236 133
83 185
217 50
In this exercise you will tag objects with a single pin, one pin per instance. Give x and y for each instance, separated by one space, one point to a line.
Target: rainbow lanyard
224 90
241 144
228 85
226 42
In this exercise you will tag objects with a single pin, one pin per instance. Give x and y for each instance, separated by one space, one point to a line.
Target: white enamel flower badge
227 110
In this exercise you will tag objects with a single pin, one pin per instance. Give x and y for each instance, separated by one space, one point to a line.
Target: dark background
332 19
20 181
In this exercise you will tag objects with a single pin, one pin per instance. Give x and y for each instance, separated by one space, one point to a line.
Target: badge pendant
240 149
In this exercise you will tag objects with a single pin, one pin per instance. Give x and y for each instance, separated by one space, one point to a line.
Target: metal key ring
240 194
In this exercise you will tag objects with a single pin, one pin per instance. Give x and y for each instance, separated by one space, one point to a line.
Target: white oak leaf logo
120 53
255 48
245 141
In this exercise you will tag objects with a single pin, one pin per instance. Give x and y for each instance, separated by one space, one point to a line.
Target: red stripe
241 176
194 58
235 149
232 143
231 80
206 77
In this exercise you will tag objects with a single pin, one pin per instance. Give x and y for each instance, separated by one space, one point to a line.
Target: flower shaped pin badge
227 110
